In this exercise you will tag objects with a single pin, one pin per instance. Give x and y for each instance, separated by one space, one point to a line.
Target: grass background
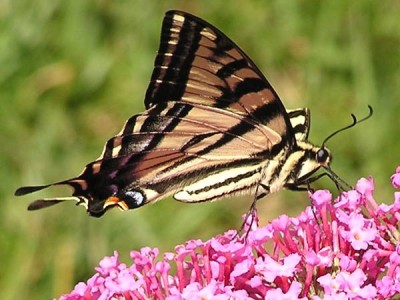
73 71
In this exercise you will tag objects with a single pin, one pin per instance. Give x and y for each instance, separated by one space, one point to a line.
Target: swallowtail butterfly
213 127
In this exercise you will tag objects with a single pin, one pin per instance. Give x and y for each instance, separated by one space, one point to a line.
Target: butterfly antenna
354 123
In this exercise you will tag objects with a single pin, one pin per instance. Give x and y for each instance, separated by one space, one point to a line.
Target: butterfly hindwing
163 161
300 121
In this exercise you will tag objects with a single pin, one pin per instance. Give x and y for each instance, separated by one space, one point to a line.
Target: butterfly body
213 127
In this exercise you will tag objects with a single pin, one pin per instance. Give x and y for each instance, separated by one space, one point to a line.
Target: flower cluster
347 249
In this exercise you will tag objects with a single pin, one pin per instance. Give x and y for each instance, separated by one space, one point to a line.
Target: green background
72 72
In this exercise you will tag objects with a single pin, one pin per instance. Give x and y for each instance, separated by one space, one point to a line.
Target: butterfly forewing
196 63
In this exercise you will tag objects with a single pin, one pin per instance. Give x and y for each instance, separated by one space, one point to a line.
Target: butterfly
213 127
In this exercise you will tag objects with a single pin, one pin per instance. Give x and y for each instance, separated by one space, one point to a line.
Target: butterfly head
308 160
321 157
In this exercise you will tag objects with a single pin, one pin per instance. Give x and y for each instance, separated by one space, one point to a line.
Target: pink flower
293 293
396 178
360 232
271 269
350 284
346 250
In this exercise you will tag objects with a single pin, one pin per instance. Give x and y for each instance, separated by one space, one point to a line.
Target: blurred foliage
73 71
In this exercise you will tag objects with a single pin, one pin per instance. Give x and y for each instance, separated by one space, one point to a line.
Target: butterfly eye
322 155
133 199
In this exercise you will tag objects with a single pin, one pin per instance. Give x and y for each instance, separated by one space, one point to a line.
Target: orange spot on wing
112 201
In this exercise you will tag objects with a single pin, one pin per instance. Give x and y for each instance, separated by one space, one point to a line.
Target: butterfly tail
47 202
30 189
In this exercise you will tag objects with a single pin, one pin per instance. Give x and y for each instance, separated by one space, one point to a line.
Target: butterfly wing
300 120
211 120
197 63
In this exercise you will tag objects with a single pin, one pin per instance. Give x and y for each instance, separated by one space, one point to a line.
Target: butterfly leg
303 184
251 216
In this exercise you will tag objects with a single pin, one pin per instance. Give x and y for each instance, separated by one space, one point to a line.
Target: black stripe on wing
177 111
176 75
